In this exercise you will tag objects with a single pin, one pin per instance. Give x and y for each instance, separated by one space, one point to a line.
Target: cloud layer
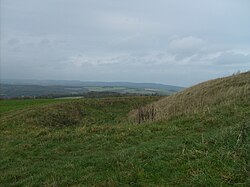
166 41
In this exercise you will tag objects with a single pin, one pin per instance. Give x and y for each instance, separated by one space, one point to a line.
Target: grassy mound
57 115
203 97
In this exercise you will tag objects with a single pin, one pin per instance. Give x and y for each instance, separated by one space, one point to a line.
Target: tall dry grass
202 97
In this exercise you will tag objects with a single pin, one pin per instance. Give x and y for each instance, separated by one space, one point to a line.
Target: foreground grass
206 149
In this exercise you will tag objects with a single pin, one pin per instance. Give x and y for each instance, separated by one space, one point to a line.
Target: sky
178 42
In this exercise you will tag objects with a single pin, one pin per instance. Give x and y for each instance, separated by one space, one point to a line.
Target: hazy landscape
58 89
124 93
199 136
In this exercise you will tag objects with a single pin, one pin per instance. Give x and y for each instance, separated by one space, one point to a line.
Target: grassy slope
204 97
14 104
208 148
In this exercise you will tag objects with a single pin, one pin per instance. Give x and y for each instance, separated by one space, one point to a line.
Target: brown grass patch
202 97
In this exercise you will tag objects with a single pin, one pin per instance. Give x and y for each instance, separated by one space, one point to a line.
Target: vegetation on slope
20 104
202 97
205 148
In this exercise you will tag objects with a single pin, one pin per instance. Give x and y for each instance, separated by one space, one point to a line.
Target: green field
94 142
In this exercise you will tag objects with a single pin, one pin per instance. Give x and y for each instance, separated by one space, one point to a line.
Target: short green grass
105 149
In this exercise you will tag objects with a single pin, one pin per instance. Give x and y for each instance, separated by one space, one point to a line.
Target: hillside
203 97
92 142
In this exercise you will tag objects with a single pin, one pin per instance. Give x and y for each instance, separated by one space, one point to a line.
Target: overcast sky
179 42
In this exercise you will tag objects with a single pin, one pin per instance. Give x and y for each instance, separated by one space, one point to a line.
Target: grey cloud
229 58
13 41
135 40
186 45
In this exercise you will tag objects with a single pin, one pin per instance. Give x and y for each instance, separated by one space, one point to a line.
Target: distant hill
16 91
203 97
32 88
89 84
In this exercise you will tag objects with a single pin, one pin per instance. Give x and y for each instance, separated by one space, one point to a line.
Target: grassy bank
208 149
15 104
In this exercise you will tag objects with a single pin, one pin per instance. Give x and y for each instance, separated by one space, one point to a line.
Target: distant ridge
88 83
11 88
